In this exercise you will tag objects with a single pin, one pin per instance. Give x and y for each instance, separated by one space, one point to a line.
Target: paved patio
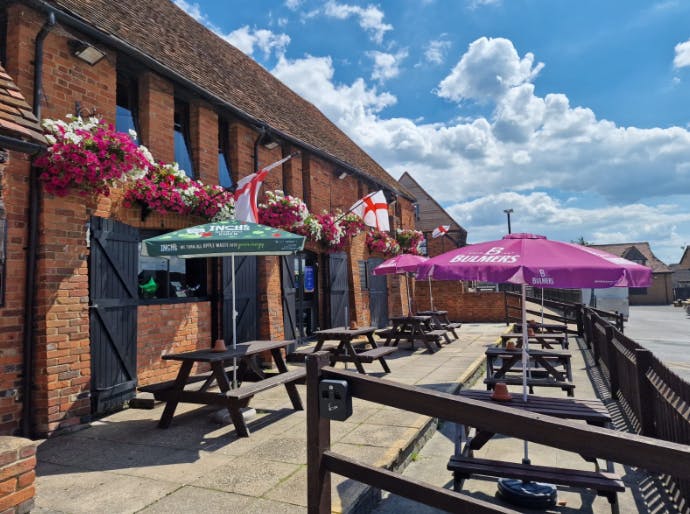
124 463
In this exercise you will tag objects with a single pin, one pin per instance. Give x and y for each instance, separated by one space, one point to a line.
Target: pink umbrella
403 263
529 259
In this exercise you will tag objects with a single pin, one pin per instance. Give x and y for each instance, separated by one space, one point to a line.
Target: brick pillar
204 133
17 474
157 116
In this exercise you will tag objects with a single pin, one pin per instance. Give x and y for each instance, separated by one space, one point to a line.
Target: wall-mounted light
86 52
342 175
270 145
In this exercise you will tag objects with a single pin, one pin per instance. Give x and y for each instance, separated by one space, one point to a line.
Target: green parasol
223 238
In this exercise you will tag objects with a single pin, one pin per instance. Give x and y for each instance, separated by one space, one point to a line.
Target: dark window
423 249
416 211
126 114
224 170
183 147
363 276
638 290
170 278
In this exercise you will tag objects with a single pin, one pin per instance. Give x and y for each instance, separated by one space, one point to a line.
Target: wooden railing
635 450
657 398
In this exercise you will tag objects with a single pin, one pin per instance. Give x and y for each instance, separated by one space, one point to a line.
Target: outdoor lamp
86 52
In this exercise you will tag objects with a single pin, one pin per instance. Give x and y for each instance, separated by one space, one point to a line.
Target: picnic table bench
545 371
544 340
235 396
345 350
592 411
440 321
414 328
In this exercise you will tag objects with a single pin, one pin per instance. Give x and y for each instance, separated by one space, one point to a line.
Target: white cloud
474 4
682 58
386 66
435 51
293 4
488 69
246 39
370 18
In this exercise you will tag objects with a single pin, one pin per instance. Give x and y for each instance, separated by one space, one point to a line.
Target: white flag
246 195
439 231
247 192
373 209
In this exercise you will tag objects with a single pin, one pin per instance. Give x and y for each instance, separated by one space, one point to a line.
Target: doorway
300 277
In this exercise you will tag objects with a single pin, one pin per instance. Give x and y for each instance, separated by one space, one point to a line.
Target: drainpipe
262 134
32 249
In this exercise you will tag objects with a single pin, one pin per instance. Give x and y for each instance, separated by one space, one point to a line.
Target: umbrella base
533 495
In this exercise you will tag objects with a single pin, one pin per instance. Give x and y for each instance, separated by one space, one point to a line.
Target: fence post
580 322
620 321
612 364
505 306
318 440
645 392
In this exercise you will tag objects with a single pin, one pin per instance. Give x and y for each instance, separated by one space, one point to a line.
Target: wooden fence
657 398
635 450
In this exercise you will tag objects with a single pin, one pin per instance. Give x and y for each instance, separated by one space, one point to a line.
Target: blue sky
574 114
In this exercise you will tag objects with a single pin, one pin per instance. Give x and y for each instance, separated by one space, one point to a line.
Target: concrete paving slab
250 477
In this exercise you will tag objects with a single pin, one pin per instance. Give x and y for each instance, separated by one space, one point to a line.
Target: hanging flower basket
167 189
410 240
88 156
382 242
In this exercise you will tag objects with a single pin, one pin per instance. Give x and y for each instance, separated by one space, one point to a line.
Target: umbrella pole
409 300
431 295
525 358
234 322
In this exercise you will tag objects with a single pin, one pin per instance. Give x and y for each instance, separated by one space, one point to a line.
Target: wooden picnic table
546 328
440 320
545 340
503 365
345 350
414 328
233 398
463 464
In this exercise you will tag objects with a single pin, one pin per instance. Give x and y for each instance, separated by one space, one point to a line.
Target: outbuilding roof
165 33
628 251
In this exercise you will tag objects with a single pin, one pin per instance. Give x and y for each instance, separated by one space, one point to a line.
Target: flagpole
355 205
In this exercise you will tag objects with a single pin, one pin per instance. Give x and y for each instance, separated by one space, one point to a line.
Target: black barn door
339 292
246 279
378 295
289 279
113 300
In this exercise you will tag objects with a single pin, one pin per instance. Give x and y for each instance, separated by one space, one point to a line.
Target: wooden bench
249 389
604 483
436 335
192 383
369 356
532 382
451 327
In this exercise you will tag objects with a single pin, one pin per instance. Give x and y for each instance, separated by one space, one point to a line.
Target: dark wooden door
339 291
113 297
378 294
246 279
289 280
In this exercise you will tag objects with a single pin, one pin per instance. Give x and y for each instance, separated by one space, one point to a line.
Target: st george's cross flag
373 209
247 192
439 231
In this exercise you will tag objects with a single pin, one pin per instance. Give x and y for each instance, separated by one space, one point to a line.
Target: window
637 290
170 278
363 275
416 211
224 173
126 111
183 147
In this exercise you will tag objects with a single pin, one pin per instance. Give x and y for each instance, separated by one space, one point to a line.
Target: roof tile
16 118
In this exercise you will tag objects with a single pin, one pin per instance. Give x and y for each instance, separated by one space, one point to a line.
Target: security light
86 52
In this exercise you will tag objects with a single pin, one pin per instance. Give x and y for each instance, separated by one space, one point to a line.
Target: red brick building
73 309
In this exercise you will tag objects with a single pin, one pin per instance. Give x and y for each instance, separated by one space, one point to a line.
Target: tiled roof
16 118
432 214
644 248
165 33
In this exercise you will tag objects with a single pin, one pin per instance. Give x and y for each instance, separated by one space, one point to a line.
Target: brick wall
17 474
62 373
461 306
